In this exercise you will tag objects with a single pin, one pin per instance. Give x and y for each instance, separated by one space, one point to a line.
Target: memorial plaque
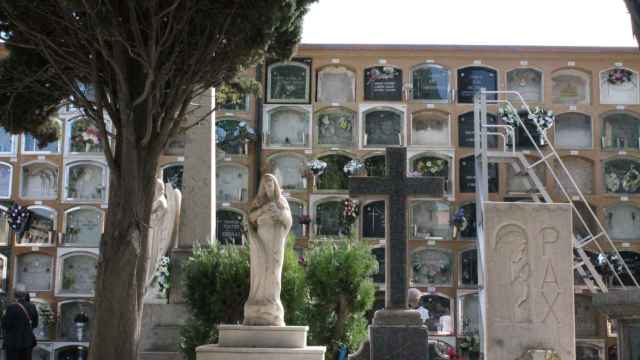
6 142
83 227
469 314
623 222
288 127
39 181
229 227
68 311
619 86
329 219
84 137
86 183
379 276
527 82
468 176
290 172
6 172
570 87
173 175
335 127
470 230
42 227
440 321
375 165
587 319
289 82
472 79
573 131
466 130
430 220
336 84
430 129
621 176
373 220
383 127
34 271
334 177
232 183
383 83
469 268
621 131
431 83
581 171
79 274
431 267
297 211
529 281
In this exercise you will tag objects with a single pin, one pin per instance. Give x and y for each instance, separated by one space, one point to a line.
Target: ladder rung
578 265
542 159
583 242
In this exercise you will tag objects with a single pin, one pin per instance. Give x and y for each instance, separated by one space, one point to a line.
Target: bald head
413 296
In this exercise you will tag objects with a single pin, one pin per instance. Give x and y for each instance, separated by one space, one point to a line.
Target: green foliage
341 291
216 286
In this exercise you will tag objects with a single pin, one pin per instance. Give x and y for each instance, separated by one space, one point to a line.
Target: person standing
414 303
18 322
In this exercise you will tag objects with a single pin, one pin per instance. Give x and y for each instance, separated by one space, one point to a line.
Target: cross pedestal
397 332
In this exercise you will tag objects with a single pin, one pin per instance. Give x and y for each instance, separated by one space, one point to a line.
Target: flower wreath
353 167
350 211
431 167
317 167
542 118
619 76
631 180
19 219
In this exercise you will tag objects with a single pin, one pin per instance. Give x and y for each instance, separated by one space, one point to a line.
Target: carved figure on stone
269 224
513 244
163 229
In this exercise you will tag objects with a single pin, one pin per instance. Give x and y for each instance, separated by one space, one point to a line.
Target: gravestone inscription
229 227
472 79
466 131
373 223
383 83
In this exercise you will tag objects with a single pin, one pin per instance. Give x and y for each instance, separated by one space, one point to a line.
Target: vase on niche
80 327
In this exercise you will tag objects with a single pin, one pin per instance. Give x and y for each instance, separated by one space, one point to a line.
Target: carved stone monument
528 280
264 336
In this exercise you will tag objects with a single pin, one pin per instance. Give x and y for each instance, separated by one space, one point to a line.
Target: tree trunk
123 254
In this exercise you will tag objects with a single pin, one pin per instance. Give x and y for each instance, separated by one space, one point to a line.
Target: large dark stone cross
397 186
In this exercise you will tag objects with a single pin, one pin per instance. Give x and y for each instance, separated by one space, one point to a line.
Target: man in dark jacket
18 323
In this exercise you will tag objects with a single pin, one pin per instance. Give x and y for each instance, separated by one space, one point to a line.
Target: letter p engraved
549 237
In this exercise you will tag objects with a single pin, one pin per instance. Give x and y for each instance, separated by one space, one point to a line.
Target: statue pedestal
240 342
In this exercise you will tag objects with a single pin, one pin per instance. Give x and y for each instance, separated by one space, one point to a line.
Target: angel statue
163 233
269 224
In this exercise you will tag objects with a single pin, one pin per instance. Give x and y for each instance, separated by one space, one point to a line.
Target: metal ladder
594 236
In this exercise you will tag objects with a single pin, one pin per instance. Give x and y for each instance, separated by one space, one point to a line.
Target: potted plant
470 347
80 321
317 168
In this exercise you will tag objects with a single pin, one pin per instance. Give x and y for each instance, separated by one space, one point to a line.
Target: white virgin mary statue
269 224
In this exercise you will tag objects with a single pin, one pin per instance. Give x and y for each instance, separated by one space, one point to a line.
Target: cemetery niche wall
430 128
383 83
430 219
432 164
290 170
289 82
68 311
440 321
328 219
620 130
374 220
297 209
622 176
469 268
335 127
468 314
571 87
432 267
334 177
172 174
83 226
42 227
83 137
34 271
86 181
8 142
39 180
466 131
336 84
232 183
6 180
430 82
619 86
622 222
473 78
383 126
527 82
287 127
468 175
77 274
573 131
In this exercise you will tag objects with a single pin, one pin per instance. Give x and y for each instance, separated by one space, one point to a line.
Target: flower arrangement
542 118
231 134
19 219
509 115
431 167
619 76
164 274
350 211
85 137
612 182
459 220
631 180
353 167
470 345
317 167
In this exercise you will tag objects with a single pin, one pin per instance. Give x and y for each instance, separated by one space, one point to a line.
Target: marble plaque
580 169
432 267
570 87
472 79
334 177
84 137
469 314
297 211
430 220
336 84
34 271
5 180
288 127
573 131
621 92
621 131
440 321
288 82
173 175
290 172
5 230
468 175
86 183
68 311
83 227
379 276
623 222
466 130
6 141
529 282
229 227
375 165
31 145
587 319
335 127
622 176
383 127
39 181
329 219
527 82
78 274
469 268
373 220
431 83
232 183
430 129
383 83
42 229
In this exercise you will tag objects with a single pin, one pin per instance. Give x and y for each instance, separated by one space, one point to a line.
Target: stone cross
397 186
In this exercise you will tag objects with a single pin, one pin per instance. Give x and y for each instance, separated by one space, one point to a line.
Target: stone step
160 356
214 352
